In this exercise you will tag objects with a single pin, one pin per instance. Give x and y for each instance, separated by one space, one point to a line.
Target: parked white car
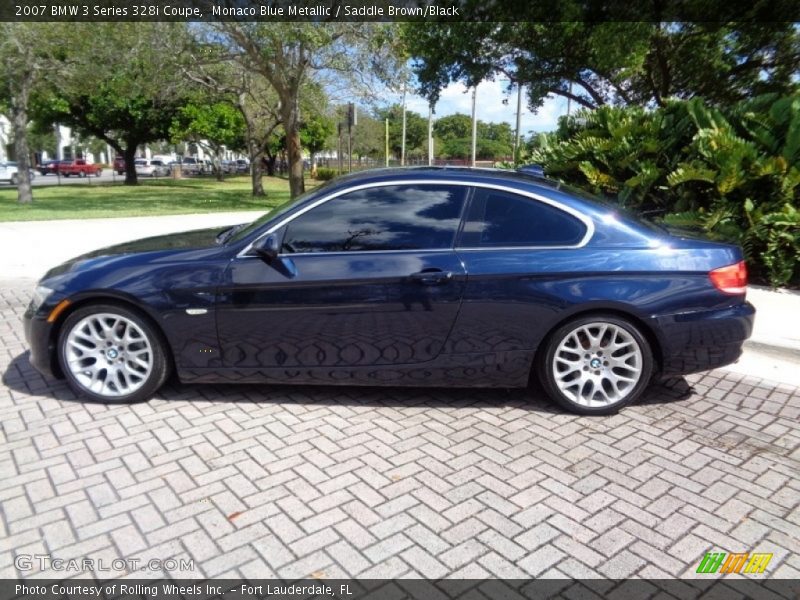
10 173
151 168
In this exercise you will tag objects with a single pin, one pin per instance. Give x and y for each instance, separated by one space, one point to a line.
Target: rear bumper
704 340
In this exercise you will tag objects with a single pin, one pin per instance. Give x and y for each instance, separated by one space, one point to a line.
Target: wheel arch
647 331
121 300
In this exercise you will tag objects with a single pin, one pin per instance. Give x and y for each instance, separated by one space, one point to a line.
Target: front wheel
111 354
596 365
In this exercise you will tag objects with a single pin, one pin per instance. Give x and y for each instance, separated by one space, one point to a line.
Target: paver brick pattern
265 481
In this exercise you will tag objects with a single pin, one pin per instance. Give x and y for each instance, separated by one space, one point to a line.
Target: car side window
398 217
498 218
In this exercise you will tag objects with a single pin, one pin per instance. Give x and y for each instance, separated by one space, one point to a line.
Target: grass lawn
150 197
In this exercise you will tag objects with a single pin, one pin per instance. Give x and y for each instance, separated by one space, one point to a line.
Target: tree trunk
129 154
19 123
291 125
256 173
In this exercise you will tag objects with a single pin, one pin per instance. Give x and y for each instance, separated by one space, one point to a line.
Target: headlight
40 294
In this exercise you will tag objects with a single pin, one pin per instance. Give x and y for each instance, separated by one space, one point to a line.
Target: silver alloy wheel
597 364
108 354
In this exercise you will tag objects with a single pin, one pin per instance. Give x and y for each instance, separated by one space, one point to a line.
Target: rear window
499 218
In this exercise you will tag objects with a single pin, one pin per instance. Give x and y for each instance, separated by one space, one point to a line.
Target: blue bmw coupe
401 277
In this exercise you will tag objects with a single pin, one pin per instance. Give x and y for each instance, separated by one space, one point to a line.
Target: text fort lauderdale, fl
172 590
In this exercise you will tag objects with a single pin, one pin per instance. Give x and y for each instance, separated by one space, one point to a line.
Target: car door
520 251
367 277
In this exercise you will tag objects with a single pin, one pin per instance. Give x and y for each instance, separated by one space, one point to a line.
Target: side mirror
267 247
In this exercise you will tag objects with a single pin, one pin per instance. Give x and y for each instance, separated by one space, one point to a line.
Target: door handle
432 276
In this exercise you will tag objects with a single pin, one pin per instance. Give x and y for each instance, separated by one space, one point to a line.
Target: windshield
276 212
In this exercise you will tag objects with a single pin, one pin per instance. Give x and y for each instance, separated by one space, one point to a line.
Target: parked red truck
78 167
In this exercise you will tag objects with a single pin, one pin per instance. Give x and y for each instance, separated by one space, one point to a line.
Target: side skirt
502 369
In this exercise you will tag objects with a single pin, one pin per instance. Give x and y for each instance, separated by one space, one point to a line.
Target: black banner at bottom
397 589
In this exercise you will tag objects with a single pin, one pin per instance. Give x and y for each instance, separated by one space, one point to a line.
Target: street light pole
430 134
519 116
403 138
474 126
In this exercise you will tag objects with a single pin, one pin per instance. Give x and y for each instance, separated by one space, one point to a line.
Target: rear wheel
112 354
595 365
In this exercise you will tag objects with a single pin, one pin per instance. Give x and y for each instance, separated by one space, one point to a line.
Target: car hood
197 239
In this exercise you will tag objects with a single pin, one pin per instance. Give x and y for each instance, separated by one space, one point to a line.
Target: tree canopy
120 83
608 62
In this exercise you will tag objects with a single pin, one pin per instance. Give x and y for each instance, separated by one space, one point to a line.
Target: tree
602 61
120 82
287 55
416 129
213 126
210 67
453 126
315 132
24 55
368 137
494 140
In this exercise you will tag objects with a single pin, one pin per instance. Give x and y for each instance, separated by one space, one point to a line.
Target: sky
456 98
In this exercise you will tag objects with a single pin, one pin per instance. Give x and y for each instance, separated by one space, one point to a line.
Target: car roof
507 177
594 208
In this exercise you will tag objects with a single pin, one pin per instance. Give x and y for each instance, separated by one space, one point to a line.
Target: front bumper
38 333
704 340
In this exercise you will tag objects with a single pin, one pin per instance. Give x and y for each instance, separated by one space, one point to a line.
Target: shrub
734 173
325 173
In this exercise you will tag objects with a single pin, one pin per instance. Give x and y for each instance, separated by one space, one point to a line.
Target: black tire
98 172
160 367
594 405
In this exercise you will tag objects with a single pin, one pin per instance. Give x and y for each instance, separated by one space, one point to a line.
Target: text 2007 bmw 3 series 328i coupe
404 277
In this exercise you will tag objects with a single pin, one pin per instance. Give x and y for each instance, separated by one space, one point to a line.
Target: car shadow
21 377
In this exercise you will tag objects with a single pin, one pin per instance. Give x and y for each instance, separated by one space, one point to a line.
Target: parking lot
261 481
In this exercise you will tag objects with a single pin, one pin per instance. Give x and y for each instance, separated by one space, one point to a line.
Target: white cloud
456 98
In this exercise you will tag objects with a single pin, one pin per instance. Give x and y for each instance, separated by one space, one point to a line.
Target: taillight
731 279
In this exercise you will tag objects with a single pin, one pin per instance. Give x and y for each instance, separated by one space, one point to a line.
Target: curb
773 349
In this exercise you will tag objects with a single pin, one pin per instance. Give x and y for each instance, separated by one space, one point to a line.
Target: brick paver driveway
335 482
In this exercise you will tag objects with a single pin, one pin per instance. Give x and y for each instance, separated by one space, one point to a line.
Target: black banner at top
755 11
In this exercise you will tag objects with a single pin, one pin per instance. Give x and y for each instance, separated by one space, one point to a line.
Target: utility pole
474 125
519 117
339 150
351 121
430 134
403 140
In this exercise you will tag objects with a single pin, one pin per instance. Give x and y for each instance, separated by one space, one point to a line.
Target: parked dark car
242 165
48 167
401 277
